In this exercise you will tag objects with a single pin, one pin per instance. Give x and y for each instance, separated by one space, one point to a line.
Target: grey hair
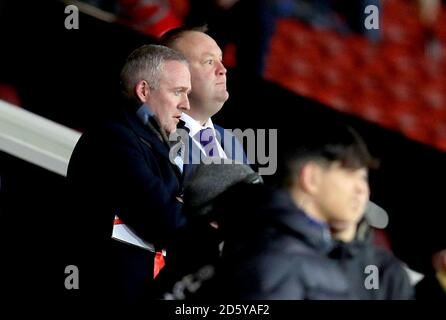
146 63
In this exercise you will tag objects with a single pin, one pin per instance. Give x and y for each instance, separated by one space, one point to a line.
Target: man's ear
309 177
142 90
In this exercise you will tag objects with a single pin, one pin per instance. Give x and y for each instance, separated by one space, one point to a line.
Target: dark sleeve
262 276
130 182
397 282
149 192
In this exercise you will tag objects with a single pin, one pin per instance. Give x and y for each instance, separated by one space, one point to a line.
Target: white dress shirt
194 127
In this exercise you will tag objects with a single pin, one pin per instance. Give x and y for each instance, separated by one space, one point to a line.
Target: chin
223 96
216 109
340 225
171 130
346 220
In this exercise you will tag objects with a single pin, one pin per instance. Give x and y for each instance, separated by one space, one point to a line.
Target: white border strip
35 139
93 11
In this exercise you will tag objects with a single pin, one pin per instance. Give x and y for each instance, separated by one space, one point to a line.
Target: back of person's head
146 63
170 37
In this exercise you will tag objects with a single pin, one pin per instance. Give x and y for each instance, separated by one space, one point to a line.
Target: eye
210 62
177 92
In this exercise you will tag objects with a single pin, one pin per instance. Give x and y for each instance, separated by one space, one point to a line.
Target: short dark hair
169 38
325 145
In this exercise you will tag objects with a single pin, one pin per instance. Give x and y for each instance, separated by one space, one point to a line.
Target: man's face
342 194
207 71
169 100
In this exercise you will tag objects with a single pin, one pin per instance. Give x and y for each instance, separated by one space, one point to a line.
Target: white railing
35 139
92 11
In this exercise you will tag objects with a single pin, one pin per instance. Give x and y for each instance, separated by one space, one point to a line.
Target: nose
221 70
184 104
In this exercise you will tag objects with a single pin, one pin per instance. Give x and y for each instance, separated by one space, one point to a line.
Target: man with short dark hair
308 240
122 168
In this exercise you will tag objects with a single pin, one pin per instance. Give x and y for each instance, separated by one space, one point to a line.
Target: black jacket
274 251
121 167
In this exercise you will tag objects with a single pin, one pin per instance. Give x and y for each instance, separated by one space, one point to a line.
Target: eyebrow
183 89
212 55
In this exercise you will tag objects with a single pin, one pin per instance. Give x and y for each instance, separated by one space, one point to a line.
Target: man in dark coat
124 168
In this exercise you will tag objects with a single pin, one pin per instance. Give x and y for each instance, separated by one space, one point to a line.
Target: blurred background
290 63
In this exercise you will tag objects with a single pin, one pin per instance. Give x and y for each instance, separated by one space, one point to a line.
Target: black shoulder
394 276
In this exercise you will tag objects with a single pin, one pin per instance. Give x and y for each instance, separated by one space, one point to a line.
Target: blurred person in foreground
308 239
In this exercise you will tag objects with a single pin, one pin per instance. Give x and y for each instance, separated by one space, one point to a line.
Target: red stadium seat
392 83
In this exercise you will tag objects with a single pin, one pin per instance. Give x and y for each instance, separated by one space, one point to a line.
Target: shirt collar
194 126
314 221
144 113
